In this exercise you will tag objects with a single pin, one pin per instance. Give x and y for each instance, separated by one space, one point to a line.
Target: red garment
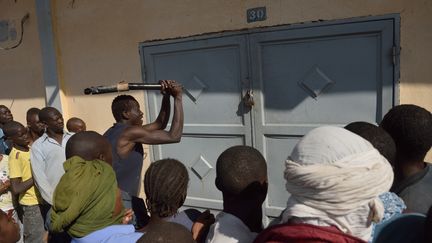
304 233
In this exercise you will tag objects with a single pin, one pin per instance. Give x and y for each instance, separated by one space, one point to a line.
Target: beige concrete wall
98 40
21 76
97 43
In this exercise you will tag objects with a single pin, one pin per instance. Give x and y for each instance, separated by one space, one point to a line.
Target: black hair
31 112
166 232
121 104
87 145
238 167
11 128
73 122
411 129
44 114
165 186
377 136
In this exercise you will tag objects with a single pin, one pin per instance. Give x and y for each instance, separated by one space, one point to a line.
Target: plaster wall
97 44
21 77
97 41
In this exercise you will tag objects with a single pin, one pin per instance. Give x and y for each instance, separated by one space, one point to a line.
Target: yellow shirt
19 167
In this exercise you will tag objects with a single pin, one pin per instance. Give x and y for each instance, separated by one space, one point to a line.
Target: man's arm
18 186
138 134
162 120
40 178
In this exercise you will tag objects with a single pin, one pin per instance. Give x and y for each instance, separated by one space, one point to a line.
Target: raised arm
137 134
40 178
162 120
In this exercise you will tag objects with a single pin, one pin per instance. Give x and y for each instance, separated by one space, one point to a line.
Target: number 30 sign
256 14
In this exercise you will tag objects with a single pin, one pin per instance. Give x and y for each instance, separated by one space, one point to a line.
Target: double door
266 89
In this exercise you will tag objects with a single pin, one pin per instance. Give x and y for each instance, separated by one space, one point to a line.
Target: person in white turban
335 177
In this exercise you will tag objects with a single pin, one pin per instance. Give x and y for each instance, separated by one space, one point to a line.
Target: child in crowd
6 200
22 182
76 125
411 128
165 185
241 176
9 229
95 213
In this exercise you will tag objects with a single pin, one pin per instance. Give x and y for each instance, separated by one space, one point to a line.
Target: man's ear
217 183
125 115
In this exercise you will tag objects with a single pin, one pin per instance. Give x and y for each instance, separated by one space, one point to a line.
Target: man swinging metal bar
122 86
128 135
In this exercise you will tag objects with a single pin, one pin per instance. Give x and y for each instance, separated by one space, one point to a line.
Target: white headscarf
335 177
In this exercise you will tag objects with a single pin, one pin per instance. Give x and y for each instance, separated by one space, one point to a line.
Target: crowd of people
360 183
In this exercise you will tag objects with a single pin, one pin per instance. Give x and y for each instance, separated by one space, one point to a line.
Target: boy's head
377 136
241 172
89 145
165 185
52 119
126 108
76 125
5 115
33 122
17 133
167 232
411 129
9 229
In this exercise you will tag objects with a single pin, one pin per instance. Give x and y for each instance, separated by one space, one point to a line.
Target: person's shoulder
19 154
68 134
39 141
14 154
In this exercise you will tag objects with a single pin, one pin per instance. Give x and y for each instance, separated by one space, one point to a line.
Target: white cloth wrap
334 178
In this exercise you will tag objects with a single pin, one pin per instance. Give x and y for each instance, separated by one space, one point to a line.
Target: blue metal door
214 71
309 77
301 76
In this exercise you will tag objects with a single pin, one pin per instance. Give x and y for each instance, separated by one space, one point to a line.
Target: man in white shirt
48 153
241 176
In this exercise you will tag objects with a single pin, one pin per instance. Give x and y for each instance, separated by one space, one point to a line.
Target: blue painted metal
303 76
309 77
213 71
46 37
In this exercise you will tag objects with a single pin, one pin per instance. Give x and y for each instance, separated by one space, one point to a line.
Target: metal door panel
214 72
308 77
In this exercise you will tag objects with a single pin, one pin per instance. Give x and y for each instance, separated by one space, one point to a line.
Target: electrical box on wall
4 30
7 31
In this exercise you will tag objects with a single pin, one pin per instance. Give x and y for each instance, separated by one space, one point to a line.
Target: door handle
248 98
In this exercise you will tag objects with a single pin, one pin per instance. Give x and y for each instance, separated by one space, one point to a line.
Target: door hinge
395 54
144 73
